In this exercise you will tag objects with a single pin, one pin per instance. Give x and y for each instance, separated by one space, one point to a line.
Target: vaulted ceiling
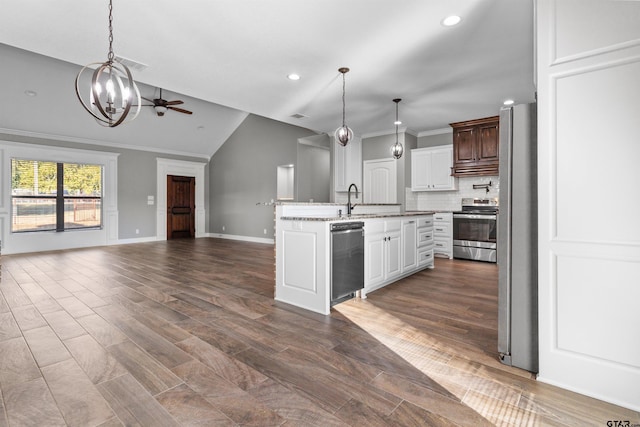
227 58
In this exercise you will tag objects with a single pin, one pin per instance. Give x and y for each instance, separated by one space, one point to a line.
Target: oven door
474 236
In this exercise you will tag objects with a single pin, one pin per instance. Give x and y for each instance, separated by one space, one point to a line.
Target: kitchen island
397 244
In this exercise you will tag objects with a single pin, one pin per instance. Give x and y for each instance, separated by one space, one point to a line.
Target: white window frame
12 243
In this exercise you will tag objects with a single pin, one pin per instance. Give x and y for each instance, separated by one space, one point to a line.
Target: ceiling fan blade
176 102
180 110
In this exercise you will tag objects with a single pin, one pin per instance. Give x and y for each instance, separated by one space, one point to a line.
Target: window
49 196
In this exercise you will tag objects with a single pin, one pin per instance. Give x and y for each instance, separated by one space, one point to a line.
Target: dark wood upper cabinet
475 147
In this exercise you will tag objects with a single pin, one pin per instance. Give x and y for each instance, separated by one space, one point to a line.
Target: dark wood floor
187 333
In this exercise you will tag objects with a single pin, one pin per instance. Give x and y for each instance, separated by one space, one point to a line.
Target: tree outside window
50 196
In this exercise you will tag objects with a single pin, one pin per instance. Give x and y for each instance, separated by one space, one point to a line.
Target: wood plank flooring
186 333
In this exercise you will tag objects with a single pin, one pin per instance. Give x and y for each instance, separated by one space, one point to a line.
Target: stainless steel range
475 229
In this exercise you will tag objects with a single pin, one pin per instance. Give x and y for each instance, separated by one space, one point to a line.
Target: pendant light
343 134
397 149
110 97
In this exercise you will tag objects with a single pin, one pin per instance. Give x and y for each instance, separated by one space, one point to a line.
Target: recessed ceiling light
508 102
397 122
31 93
293 76
452 20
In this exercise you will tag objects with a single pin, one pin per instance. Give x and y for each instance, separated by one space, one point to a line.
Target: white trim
44 241
85 141
167 167
242 238
137 240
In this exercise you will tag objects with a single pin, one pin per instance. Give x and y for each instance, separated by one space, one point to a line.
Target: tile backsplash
450 200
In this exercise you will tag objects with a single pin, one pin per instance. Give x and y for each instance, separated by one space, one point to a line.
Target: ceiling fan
162 105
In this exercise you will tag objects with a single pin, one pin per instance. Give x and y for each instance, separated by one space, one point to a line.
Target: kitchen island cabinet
393 249
383 261
409 244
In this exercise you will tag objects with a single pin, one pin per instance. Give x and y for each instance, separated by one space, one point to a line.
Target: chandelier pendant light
110 98
343 134
397 149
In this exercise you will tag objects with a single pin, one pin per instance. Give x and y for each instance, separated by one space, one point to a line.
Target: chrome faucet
349 205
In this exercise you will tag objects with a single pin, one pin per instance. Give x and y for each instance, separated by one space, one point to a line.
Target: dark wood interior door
181 207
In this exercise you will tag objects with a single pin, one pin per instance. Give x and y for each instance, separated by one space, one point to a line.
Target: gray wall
243 172
435 140
136 181
312 174
410 143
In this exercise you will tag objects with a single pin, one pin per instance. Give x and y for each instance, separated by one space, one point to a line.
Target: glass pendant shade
397 150
110 95
343 134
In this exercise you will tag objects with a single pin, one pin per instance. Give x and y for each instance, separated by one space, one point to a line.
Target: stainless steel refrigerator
518 239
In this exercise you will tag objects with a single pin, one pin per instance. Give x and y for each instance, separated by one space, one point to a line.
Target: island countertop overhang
355 217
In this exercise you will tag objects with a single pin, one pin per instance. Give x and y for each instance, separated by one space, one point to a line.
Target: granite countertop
331 204
353 217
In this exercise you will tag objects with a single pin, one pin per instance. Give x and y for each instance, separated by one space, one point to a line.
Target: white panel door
589 264
380 181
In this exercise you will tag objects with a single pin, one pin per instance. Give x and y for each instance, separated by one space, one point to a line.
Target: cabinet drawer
425 237
425 257
425 221
442 230
442 216
441 246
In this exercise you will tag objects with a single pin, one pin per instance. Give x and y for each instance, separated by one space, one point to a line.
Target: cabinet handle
411 222
439 229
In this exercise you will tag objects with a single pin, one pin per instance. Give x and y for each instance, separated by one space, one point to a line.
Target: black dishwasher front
347 260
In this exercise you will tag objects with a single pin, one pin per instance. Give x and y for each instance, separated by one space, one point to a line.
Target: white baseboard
243 238
136 240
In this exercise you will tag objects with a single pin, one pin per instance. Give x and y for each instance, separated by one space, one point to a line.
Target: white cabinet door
394 255
374 265
431 169
441 163
409 245
380 181
420 169
347 164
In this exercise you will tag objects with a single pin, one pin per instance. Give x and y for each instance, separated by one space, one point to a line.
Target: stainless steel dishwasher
347 260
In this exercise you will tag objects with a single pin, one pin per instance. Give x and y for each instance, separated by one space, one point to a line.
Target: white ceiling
226 58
